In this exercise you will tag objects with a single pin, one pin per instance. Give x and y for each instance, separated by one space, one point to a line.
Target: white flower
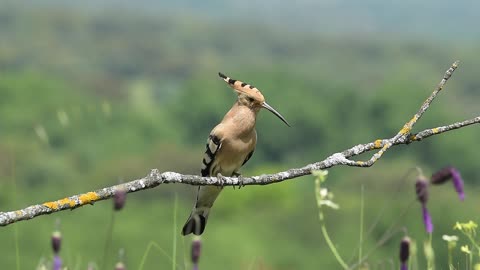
329 204
450 238
324 197
323 193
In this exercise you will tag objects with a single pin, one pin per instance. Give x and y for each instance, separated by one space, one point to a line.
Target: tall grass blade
174 244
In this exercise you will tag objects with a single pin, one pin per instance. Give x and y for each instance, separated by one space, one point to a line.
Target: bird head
250 96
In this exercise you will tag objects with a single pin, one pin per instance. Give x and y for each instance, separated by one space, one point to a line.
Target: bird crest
243 88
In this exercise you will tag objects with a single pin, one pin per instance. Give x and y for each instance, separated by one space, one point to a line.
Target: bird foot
240 180
221 179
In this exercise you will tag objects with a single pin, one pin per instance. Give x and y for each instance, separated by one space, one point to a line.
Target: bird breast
234 151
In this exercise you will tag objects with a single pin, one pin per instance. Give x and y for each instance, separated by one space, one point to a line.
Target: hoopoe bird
229 146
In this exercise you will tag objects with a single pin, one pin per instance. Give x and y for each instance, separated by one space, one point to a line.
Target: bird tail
196 222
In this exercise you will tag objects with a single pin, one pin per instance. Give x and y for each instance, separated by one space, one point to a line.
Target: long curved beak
270 108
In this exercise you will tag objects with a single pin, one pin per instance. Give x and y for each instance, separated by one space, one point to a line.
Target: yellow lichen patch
60 203
88 197
435 130
66 201
408 126
51 205
404 130
377 144
360 162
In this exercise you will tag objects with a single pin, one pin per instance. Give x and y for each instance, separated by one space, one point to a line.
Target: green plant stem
472 240
413 261
174 244
471 259
150 246
333 248
451 247
361 225
108 240
17 248
466 261
330 244
450 260
400 183
430 256
388 234
185 254
14 199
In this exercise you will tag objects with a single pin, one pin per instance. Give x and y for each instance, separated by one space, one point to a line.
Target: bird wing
247 158
206 195
213 145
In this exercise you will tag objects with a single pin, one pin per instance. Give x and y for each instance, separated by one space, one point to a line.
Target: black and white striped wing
248 157
213 145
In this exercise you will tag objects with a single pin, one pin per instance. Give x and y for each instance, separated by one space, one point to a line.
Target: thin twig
403 133
155 178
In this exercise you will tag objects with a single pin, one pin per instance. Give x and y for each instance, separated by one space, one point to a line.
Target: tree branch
155 178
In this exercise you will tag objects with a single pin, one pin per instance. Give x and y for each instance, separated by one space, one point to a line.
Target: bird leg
221 179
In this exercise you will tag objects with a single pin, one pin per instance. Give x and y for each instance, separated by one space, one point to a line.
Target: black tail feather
195 224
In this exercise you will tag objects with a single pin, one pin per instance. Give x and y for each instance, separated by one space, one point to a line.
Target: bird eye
250 99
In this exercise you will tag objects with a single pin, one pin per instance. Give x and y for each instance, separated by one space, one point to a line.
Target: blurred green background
94 93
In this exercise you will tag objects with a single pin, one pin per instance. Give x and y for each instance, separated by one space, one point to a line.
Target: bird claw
221 179
240 181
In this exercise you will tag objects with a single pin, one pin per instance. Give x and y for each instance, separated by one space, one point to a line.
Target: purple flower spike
427 220
57 263
457 183
56 241
446 174
119 199
421 188
196 247
441 176
404 252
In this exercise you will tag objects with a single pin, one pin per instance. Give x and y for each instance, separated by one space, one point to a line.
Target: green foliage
88 100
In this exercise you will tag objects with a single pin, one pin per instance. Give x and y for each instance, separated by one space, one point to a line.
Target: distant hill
414 19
